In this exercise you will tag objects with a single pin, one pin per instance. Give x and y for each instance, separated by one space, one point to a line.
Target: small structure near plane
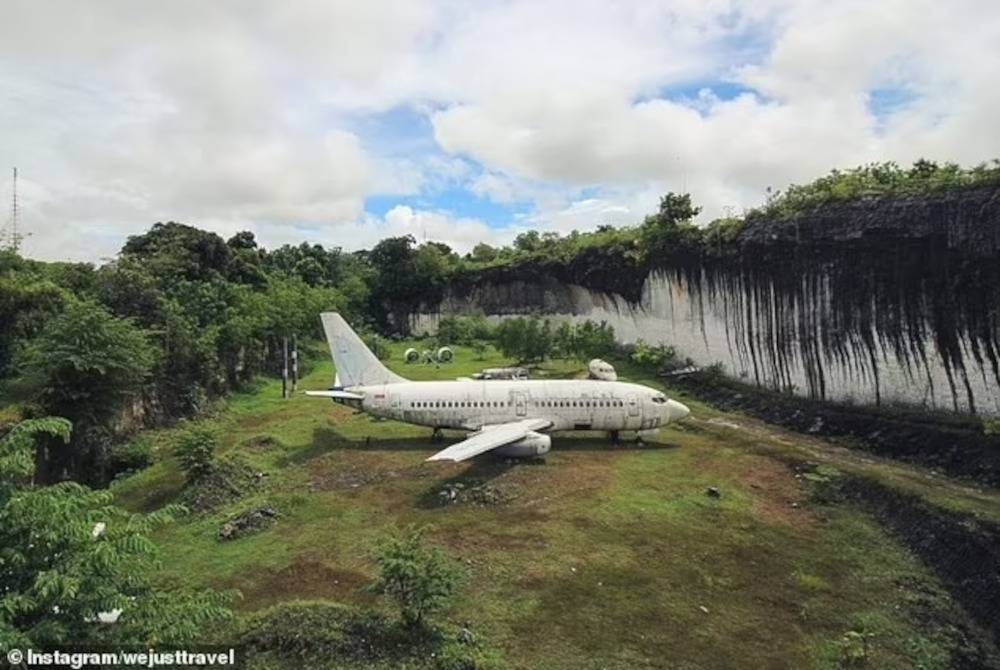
602 370
502 373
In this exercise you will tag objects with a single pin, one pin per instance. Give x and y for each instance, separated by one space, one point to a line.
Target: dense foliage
180 317
532 339
84 365
70 561
878 179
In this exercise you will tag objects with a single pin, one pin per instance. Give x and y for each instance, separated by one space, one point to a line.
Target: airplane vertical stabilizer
356 364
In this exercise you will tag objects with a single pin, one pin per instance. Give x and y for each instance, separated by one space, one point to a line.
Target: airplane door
633 405
520 404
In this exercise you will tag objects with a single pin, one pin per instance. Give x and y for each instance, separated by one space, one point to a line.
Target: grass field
599 557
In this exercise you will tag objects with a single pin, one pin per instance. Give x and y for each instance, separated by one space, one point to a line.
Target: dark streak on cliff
847 284
856 282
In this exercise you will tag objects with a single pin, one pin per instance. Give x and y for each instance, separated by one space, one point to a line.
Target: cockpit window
659 399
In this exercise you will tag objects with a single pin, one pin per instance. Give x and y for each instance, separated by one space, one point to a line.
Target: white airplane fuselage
507 417
568 404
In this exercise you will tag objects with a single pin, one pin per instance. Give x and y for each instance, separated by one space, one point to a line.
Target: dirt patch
523 484
308 578
346 472
777 493
263 443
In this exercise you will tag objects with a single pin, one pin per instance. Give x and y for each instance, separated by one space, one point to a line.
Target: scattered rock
713 492
465 636
248 522
703 609
816 426
480 494
794 505
228 481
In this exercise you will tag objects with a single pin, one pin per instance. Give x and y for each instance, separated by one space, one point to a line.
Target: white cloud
232 115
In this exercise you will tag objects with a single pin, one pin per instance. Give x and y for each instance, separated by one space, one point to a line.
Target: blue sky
339 123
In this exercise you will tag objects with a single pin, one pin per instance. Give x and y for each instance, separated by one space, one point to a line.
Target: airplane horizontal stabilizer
337 395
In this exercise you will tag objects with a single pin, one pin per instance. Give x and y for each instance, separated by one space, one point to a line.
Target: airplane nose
676 411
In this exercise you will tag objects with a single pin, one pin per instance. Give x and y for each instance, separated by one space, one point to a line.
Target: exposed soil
956 445
777 494
358 471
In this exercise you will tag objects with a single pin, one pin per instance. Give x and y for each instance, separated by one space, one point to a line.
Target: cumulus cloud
279 117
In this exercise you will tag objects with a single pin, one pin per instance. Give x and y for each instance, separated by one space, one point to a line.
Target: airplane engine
532 445
445 354
411 355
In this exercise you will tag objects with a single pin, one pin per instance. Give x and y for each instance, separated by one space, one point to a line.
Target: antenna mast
15 238
14 241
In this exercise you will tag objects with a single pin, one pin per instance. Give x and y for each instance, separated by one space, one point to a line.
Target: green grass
603 558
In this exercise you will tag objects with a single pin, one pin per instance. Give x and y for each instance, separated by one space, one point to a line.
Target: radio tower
15 238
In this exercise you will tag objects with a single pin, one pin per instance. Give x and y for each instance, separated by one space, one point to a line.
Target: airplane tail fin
356 364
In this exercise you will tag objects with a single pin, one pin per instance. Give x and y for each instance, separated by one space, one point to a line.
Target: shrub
655 357
196 452
131 456
419 579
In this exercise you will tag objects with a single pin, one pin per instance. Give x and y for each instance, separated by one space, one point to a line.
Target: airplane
509 418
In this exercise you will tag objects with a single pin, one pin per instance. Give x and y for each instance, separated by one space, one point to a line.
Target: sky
340 123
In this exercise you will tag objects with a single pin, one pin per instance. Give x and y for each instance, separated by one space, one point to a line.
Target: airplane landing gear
614 438
436 435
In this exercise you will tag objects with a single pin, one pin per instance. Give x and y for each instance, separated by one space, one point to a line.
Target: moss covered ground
599 557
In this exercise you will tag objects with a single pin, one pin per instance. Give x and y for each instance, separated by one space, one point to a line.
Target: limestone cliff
877 299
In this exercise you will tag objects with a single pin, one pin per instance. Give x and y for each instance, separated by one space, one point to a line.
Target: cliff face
876 300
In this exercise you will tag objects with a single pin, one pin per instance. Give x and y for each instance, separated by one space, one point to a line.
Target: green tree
593 340
27 303
483 253
84 365
419 579
524 339
511 337
177 251
670 231
69 557
565 340
528 241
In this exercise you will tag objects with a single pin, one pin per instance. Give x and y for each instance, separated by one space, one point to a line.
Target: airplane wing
490 437
337 395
